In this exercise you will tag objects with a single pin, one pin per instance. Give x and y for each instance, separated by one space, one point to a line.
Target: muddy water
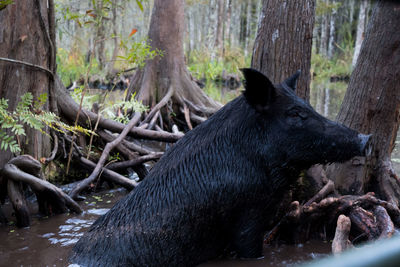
48 241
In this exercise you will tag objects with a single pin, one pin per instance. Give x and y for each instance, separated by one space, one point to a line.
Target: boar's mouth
365 144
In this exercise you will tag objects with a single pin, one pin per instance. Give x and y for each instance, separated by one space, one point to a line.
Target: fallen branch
27 64
153 121
134 162
87 181
110 175
70 108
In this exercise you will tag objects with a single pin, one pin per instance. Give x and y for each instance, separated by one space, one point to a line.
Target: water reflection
48 241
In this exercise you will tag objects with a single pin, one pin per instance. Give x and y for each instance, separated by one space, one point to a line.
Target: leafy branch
29 112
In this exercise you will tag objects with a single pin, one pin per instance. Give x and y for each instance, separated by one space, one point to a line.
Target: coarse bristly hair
213 191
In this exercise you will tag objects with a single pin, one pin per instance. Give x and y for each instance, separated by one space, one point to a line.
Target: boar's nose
365 144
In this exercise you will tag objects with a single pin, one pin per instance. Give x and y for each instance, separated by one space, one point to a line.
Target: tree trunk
111 63
228 23
100 36
372 105
332 31
25 36
362 21
284 41
220 27
167 74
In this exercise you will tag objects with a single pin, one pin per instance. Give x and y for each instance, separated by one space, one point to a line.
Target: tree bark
219 37
372 105
284 41
362 18
332 32
24 36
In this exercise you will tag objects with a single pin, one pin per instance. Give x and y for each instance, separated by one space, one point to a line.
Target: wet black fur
212 190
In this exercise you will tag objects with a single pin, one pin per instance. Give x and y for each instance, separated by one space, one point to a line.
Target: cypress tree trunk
284 41
28 44
167 75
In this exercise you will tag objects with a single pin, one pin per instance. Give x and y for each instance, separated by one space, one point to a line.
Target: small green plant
88 100
28 113
5 3
136 53
119 110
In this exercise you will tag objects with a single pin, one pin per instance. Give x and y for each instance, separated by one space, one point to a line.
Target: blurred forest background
218 40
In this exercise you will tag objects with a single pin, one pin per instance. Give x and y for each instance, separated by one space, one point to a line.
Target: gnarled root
341 240
371 218
51 200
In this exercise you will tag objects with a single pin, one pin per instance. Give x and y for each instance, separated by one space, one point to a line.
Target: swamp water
48 241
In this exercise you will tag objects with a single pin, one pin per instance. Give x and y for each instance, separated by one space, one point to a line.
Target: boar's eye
297 113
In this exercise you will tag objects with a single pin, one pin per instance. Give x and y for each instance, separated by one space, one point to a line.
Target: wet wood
326 190
27 164
341 240
58 201
364 222
104 156
69 108
384 222
134 162
110 175
18 201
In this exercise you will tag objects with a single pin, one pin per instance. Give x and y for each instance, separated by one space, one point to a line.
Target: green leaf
139 3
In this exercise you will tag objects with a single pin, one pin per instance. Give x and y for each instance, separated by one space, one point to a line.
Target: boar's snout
365 144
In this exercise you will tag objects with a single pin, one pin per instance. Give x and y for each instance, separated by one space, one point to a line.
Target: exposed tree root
110 175
134 162
368 216
51 200
69 108
86 182
18 201
341 240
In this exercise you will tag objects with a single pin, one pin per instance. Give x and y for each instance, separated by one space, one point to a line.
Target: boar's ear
260 92
291 82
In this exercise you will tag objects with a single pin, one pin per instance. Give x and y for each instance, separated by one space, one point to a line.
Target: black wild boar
211 192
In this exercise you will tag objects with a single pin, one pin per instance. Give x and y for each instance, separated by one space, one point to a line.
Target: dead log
341 240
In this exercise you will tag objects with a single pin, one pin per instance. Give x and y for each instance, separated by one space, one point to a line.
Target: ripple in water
70 232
